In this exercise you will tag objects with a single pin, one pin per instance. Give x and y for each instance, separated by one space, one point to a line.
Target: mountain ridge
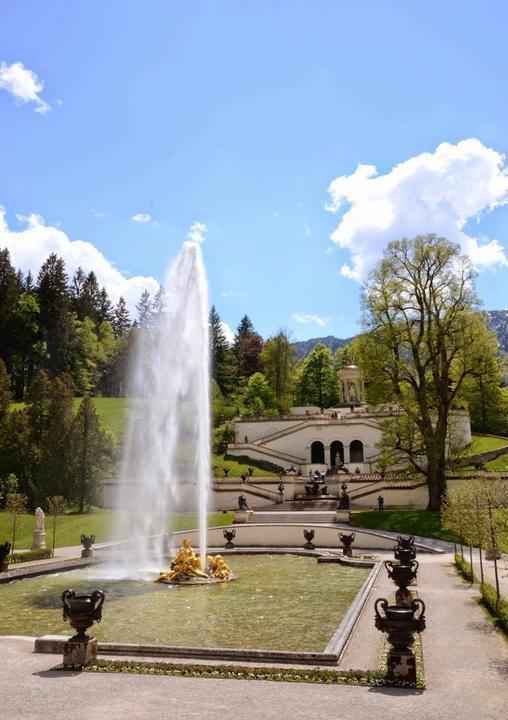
497 322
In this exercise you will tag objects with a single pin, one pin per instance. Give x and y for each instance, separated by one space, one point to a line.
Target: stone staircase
313 512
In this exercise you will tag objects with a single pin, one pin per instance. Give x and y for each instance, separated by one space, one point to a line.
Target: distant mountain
497 321
303 347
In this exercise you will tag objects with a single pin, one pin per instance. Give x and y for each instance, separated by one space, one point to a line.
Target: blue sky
241 116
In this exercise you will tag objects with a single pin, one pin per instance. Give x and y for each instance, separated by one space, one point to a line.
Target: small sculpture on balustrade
344 502
229 536
242 503
309 536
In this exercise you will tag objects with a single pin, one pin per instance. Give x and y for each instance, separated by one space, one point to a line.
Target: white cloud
30 247
230 335
229 294
305 319
197 232
141 218
431 193
306 230
98 214
24 85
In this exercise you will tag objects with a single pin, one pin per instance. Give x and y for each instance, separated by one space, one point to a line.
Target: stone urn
309 536
229 536
82 611
400 622
87 541
405 542
347 540
402 576
404 555
5 551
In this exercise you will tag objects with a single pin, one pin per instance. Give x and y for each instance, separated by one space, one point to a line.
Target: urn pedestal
77 652
242 516
39 540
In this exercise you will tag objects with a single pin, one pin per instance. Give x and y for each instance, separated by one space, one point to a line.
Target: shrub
30 555
498 608
464 568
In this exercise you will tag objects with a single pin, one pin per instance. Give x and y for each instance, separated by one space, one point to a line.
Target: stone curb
342 635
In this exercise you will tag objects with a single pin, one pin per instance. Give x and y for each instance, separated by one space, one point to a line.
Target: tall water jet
166 461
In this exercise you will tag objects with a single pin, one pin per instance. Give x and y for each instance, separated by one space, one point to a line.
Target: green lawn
100 523
484 443
426 523
236 469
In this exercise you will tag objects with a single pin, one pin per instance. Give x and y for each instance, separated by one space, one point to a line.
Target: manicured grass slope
426 523
484 443
100 523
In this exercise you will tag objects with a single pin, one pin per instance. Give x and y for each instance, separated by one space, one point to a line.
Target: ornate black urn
402 576
82 611
405 542
5 551
400 622
87 541
309 536
347 540
404 555
229 536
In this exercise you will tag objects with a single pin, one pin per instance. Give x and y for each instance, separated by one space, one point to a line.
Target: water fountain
166 463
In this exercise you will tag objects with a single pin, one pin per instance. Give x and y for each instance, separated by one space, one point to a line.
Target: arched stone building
310 438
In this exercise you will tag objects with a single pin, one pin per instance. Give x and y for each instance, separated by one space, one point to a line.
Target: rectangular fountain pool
278 602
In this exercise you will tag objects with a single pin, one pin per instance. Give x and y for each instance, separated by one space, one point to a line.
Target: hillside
304 347
498 322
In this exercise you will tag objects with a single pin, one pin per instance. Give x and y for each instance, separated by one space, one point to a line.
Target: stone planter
81 611
229 536
402 576
347 541
400 622
403 555
309 536
87 541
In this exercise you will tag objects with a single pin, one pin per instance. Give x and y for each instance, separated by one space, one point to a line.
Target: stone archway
317 453
336 453
356 451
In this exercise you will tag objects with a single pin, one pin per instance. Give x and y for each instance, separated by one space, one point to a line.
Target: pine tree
121 319
220 354
145 311
55 452
9 294
54 303
247 346
37 405
105 308
91 451
5 391
16 450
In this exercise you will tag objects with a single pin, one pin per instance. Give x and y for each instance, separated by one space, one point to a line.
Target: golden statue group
186 565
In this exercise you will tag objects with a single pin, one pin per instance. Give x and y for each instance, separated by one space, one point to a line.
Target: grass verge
426 523
99 522
238 672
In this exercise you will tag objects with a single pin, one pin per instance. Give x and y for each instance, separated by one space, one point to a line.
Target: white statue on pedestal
39 518
39 534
